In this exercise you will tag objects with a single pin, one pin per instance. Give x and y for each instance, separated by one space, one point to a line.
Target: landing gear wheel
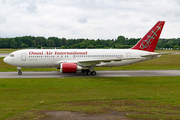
93 73
83 71
88 73
19 73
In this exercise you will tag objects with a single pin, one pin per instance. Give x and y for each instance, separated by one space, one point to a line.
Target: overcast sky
93 19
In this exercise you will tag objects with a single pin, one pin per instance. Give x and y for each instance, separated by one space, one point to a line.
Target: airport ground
137 97
122 73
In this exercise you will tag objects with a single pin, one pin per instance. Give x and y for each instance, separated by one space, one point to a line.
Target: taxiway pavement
4 54
125 73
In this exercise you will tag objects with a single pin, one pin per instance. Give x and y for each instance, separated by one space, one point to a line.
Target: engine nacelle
70 68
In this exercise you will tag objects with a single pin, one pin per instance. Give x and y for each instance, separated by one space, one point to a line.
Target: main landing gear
19 71
90 71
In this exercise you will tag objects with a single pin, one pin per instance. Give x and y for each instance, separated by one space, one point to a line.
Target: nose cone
7 60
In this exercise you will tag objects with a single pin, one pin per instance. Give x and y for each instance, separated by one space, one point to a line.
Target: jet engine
70 68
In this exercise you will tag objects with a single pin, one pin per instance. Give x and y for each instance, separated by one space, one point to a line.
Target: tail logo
146 43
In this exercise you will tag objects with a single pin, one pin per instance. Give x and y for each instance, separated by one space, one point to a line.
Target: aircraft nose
7 60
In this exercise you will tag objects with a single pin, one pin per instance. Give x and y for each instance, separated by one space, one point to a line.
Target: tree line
63 43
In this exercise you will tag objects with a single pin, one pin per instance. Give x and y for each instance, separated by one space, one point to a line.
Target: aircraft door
128 55
23 56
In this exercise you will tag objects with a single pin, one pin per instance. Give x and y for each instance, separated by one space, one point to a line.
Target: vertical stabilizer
149 41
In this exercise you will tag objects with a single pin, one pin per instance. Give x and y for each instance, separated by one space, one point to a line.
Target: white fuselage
44 58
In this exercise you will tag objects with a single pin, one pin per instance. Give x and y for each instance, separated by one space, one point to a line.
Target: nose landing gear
19 71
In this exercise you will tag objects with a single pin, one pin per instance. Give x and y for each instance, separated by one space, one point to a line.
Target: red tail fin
149 41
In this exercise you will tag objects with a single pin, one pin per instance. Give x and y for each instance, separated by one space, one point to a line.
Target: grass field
134 97
7 50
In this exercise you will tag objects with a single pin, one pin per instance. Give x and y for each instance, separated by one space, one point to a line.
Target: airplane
84 60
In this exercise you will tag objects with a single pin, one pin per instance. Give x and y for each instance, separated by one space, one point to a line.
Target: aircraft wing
93 62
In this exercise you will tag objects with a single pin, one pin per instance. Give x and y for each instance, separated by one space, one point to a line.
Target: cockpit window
11 55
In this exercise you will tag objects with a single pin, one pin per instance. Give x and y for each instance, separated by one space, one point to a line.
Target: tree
19 41
41 41
63 47
133 41
28 40
110 43
57 42
69 47
4 43
39 47
82 45
50 43
121 40
13 44
90 46
166 45
24 45
76 46
33 43
64 41
70 42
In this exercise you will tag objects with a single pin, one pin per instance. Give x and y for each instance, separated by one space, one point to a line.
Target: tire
93 73
19 73
88 72
83 71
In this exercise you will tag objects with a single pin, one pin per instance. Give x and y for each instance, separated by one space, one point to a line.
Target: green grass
7 50
134 97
